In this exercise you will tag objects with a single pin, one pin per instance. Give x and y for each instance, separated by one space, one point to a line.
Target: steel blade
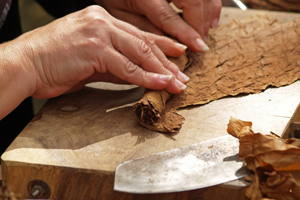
192 167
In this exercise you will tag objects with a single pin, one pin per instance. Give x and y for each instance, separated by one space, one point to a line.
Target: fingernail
215 23
180 85
183 77
181 46
165 78
201 45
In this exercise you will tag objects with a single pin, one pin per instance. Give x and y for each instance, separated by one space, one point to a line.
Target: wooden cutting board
76 141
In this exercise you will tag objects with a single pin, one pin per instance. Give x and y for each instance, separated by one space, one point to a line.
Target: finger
164 17
138 20
207 10
138 51
124 12
216 11
193 14
168 46
120 66
163 59
149 56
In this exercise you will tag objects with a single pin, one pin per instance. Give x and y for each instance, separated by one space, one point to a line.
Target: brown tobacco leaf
238 28
238 128
246 64
245 56
274 161
150 110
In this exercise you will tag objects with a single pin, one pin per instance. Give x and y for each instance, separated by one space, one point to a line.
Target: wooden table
76 141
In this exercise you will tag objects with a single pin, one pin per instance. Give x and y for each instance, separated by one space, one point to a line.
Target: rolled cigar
150 108
152 105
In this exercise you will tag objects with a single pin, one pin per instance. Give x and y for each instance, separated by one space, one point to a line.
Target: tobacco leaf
275 162
245 56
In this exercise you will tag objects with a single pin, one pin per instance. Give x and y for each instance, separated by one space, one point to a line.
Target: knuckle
143 49
96 15
147 38
94 9
165 15
99 21
167 62
131 68
105 64
173 68
95 44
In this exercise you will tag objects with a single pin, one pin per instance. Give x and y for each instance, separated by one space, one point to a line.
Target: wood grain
76 141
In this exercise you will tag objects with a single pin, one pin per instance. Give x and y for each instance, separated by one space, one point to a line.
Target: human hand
91 45
157 16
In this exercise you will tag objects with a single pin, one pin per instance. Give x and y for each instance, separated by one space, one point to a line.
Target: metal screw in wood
38 189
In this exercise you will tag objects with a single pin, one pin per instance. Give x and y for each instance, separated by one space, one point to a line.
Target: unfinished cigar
151 107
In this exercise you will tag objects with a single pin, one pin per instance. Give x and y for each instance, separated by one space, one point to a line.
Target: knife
191 167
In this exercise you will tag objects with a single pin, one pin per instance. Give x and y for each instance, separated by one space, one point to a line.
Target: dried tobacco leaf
275 162
249 63
238 128
151 112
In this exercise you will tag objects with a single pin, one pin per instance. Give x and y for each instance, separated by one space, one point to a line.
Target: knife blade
195 166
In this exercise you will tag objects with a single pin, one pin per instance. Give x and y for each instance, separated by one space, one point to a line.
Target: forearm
16 79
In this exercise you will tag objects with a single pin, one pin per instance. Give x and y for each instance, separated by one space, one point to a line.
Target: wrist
22 66
17 76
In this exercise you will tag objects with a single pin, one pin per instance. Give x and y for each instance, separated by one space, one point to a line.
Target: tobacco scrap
273 161
245 56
